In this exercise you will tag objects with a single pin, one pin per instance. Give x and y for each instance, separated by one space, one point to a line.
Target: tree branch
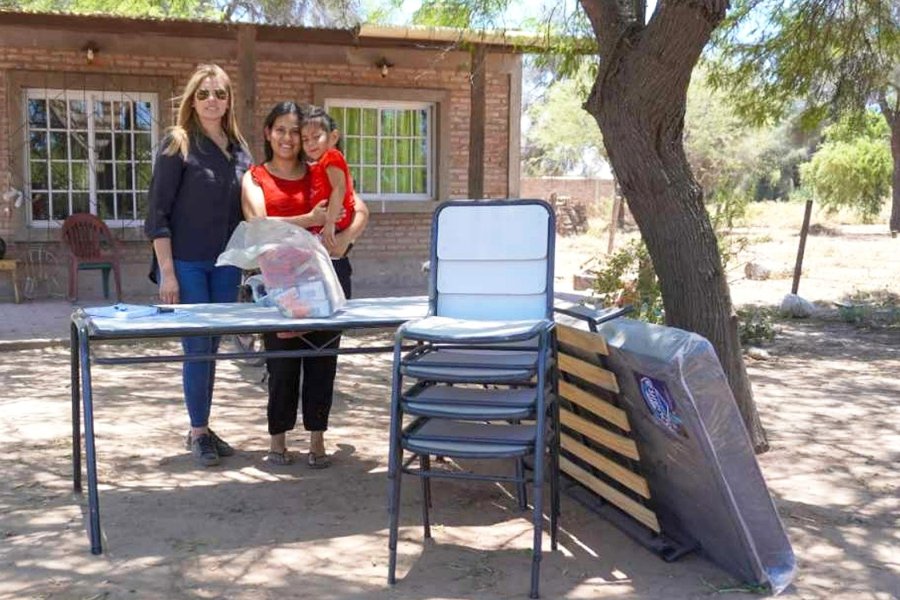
640 11
607 22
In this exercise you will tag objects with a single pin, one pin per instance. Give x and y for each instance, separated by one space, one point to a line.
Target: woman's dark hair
279 110
316 115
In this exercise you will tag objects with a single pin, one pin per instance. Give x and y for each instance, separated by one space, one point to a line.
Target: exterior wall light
384 65
90 51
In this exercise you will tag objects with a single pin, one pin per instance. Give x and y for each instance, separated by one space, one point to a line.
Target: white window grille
388 147
89 151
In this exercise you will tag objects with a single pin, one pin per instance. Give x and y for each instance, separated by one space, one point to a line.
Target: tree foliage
170 9
320 13
461 14
310 13
853 167
562 137
727 155
832 55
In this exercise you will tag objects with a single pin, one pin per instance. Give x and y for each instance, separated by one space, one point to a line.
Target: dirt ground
828 395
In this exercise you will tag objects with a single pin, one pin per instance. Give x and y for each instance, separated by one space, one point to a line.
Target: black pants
310 379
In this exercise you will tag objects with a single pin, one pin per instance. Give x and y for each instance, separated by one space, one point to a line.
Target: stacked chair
476 378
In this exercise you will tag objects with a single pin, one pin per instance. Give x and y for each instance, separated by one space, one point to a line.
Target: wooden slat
592 342
597 406
637 510
592 373
628 478
613 441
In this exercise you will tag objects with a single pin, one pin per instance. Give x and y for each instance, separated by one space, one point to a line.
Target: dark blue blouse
196 201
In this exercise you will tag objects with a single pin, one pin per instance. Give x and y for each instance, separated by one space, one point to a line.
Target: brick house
84 101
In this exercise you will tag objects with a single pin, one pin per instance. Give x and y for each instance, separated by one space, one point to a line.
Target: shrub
627 277
755 326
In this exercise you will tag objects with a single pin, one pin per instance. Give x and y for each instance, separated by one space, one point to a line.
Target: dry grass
843 256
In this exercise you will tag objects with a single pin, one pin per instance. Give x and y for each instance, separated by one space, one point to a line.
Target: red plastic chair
91 246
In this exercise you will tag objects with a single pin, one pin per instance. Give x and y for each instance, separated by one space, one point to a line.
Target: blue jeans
201 282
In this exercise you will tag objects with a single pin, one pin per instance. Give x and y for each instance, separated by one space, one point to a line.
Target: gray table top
235 318
231 318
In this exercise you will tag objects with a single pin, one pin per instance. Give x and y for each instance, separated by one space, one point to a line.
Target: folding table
224 319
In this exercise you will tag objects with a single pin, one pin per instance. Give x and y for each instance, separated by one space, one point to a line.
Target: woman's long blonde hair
187 122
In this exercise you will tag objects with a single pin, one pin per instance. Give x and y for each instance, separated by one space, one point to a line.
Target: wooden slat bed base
614 470
615 442
585 340
637 510
595 405
584 370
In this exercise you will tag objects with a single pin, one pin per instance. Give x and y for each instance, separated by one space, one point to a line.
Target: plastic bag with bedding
295 268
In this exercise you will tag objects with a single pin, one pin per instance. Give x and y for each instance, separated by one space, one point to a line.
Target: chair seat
84 266
460 439
447 329
472 366
470 403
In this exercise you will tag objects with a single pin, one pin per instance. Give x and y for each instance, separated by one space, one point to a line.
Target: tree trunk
639 102
895 154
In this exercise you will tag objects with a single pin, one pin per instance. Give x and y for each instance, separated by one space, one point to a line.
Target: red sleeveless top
284 197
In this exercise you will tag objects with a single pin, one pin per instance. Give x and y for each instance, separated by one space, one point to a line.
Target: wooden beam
477 113
585 340
590 373
245 102
615 442
514 123
623 475
637 510
595 405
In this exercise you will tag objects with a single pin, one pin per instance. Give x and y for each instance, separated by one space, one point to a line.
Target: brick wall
596 194
393 241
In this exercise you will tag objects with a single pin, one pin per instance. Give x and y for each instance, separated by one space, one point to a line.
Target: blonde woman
195 205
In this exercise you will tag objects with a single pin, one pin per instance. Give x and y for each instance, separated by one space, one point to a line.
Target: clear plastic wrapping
296 271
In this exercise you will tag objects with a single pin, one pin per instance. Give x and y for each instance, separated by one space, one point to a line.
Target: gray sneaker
222 447
204 451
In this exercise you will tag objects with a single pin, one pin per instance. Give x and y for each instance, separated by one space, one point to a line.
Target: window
89 151
388 147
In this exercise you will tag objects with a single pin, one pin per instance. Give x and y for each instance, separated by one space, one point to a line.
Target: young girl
329 174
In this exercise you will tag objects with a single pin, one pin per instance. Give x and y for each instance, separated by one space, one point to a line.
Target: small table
87 333
12 267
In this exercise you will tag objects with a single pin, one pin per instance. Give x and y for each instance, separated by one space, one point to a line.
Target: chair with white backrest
483 382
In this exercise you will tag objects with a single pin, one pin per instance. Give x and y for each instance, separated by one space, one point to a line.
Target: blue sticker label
660 403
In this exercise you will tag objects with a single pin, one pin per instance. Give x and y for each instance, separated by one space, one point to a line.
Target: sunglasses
203 94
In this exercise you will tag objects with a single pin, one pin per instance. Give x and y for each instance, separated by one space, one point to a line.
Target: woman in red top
280 188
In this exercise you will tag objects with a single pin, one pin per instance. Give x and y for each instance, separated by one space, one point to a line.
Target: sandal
279 459
317 461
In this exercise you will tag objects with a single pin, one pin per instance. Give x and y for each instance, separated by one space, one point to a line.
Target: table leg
90 450
15 282
76 408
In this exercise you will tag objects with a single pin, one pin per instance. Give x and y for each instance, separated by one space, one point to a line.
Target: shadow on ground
246 530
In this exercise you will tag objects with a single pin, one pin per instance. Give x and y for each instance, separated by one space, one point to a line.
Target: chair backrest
84 234
492 260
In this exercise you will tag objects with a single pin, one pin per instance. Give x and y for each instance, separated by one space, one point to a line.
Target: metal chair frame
451 420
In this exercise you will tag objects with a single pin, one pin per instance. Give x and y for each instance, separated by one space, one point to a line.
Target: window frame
441 134
89 96
430 158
